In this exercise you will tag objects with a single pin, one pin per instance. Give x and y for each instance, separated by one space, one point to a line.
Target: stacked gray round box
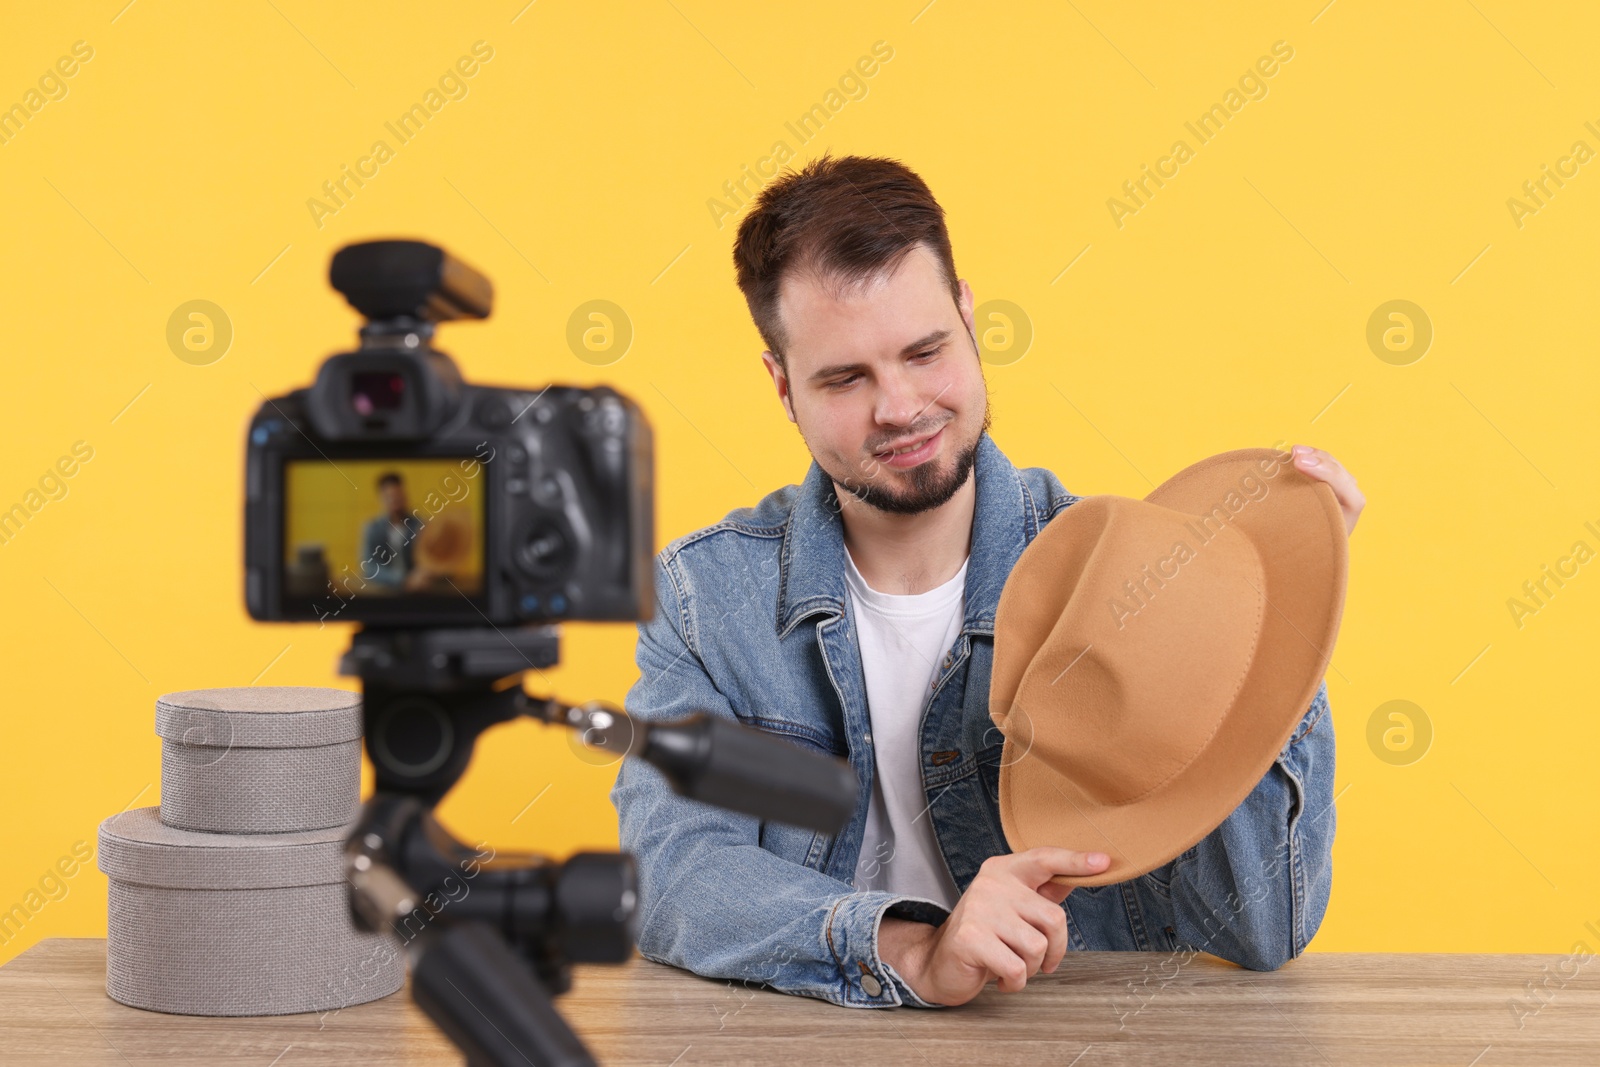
274 759
230 899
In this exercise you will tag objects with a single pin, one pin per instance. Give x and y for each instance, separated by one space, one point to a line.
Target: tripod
492 942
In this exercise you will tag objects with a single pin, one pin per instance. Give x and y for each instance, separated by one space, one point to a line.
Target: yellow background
1230 311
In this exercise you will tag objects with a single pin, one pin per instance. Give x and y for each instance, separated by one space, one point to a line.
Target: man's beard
930 488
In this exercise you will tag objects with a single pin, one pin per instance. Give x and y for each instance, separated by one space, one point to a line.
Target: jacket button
871 986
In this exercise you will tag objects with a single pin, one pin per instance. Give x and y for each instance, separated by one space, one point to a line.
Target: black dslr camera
394 493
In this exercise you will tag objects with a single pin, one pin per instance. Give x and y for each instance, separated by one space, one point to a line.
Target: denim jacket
752 622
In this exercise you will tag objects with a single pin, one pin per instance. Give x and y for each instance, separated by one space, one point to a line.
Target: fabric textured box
267 759
236 924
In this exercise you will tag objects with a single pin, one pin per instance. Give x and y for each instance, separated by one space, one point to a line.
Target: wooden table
1099 1008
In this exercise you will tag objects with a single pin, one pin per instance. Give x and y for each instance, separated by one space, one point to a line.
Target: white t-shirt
903 642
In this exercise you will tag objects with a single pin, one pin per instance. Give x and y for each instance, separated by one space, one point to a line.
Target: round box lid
269 716
136 846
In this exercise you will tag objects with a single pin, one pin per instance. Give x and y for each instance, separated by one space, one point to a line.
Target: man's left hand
1318 464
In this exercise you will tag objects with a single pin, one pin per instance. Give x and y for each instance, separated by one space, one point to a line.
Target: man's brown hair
844 220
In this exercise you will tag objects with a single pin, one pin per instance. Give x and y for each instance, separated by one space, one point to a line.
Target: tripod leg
478 991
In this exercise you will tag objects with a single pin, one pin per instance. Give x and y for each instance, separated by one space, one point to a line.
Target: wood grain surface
1099 1008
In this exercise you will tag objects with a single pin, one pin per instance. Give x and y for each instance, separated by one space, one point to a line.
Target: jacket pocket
1160 879
807 848
800 733
789 842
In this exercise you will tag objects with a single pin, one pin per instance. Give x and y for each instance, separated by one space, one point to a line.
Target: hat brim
1299 534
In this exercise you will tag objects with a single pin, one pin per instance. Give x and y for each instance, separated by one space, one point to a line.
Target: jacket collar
812 562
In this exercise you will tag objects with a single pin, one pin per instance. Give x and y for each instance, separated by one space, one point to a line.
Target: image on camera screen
383 528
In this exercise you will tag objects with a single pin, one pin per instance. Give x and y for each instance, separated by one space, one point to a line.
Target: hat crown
1153 636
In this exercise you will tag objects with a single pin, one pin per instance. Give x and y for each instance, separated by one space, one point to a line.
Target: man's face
393 495
884 382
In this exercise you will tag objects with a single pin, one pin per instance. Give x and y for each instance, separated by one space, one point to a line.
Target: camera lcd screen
383 528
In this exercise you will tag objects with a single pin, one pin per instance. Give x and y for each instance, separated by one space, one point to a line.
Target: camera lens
372 391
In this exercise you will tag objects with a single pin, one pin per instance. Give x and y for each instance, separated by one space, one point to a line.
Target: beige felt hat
1152 657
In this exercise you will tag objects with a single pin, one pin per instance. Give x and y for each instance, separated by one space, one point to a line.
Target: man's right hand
1006 927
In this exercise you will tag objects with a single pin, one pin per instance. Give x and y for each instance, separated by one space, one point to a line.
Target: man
854 615
386 539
